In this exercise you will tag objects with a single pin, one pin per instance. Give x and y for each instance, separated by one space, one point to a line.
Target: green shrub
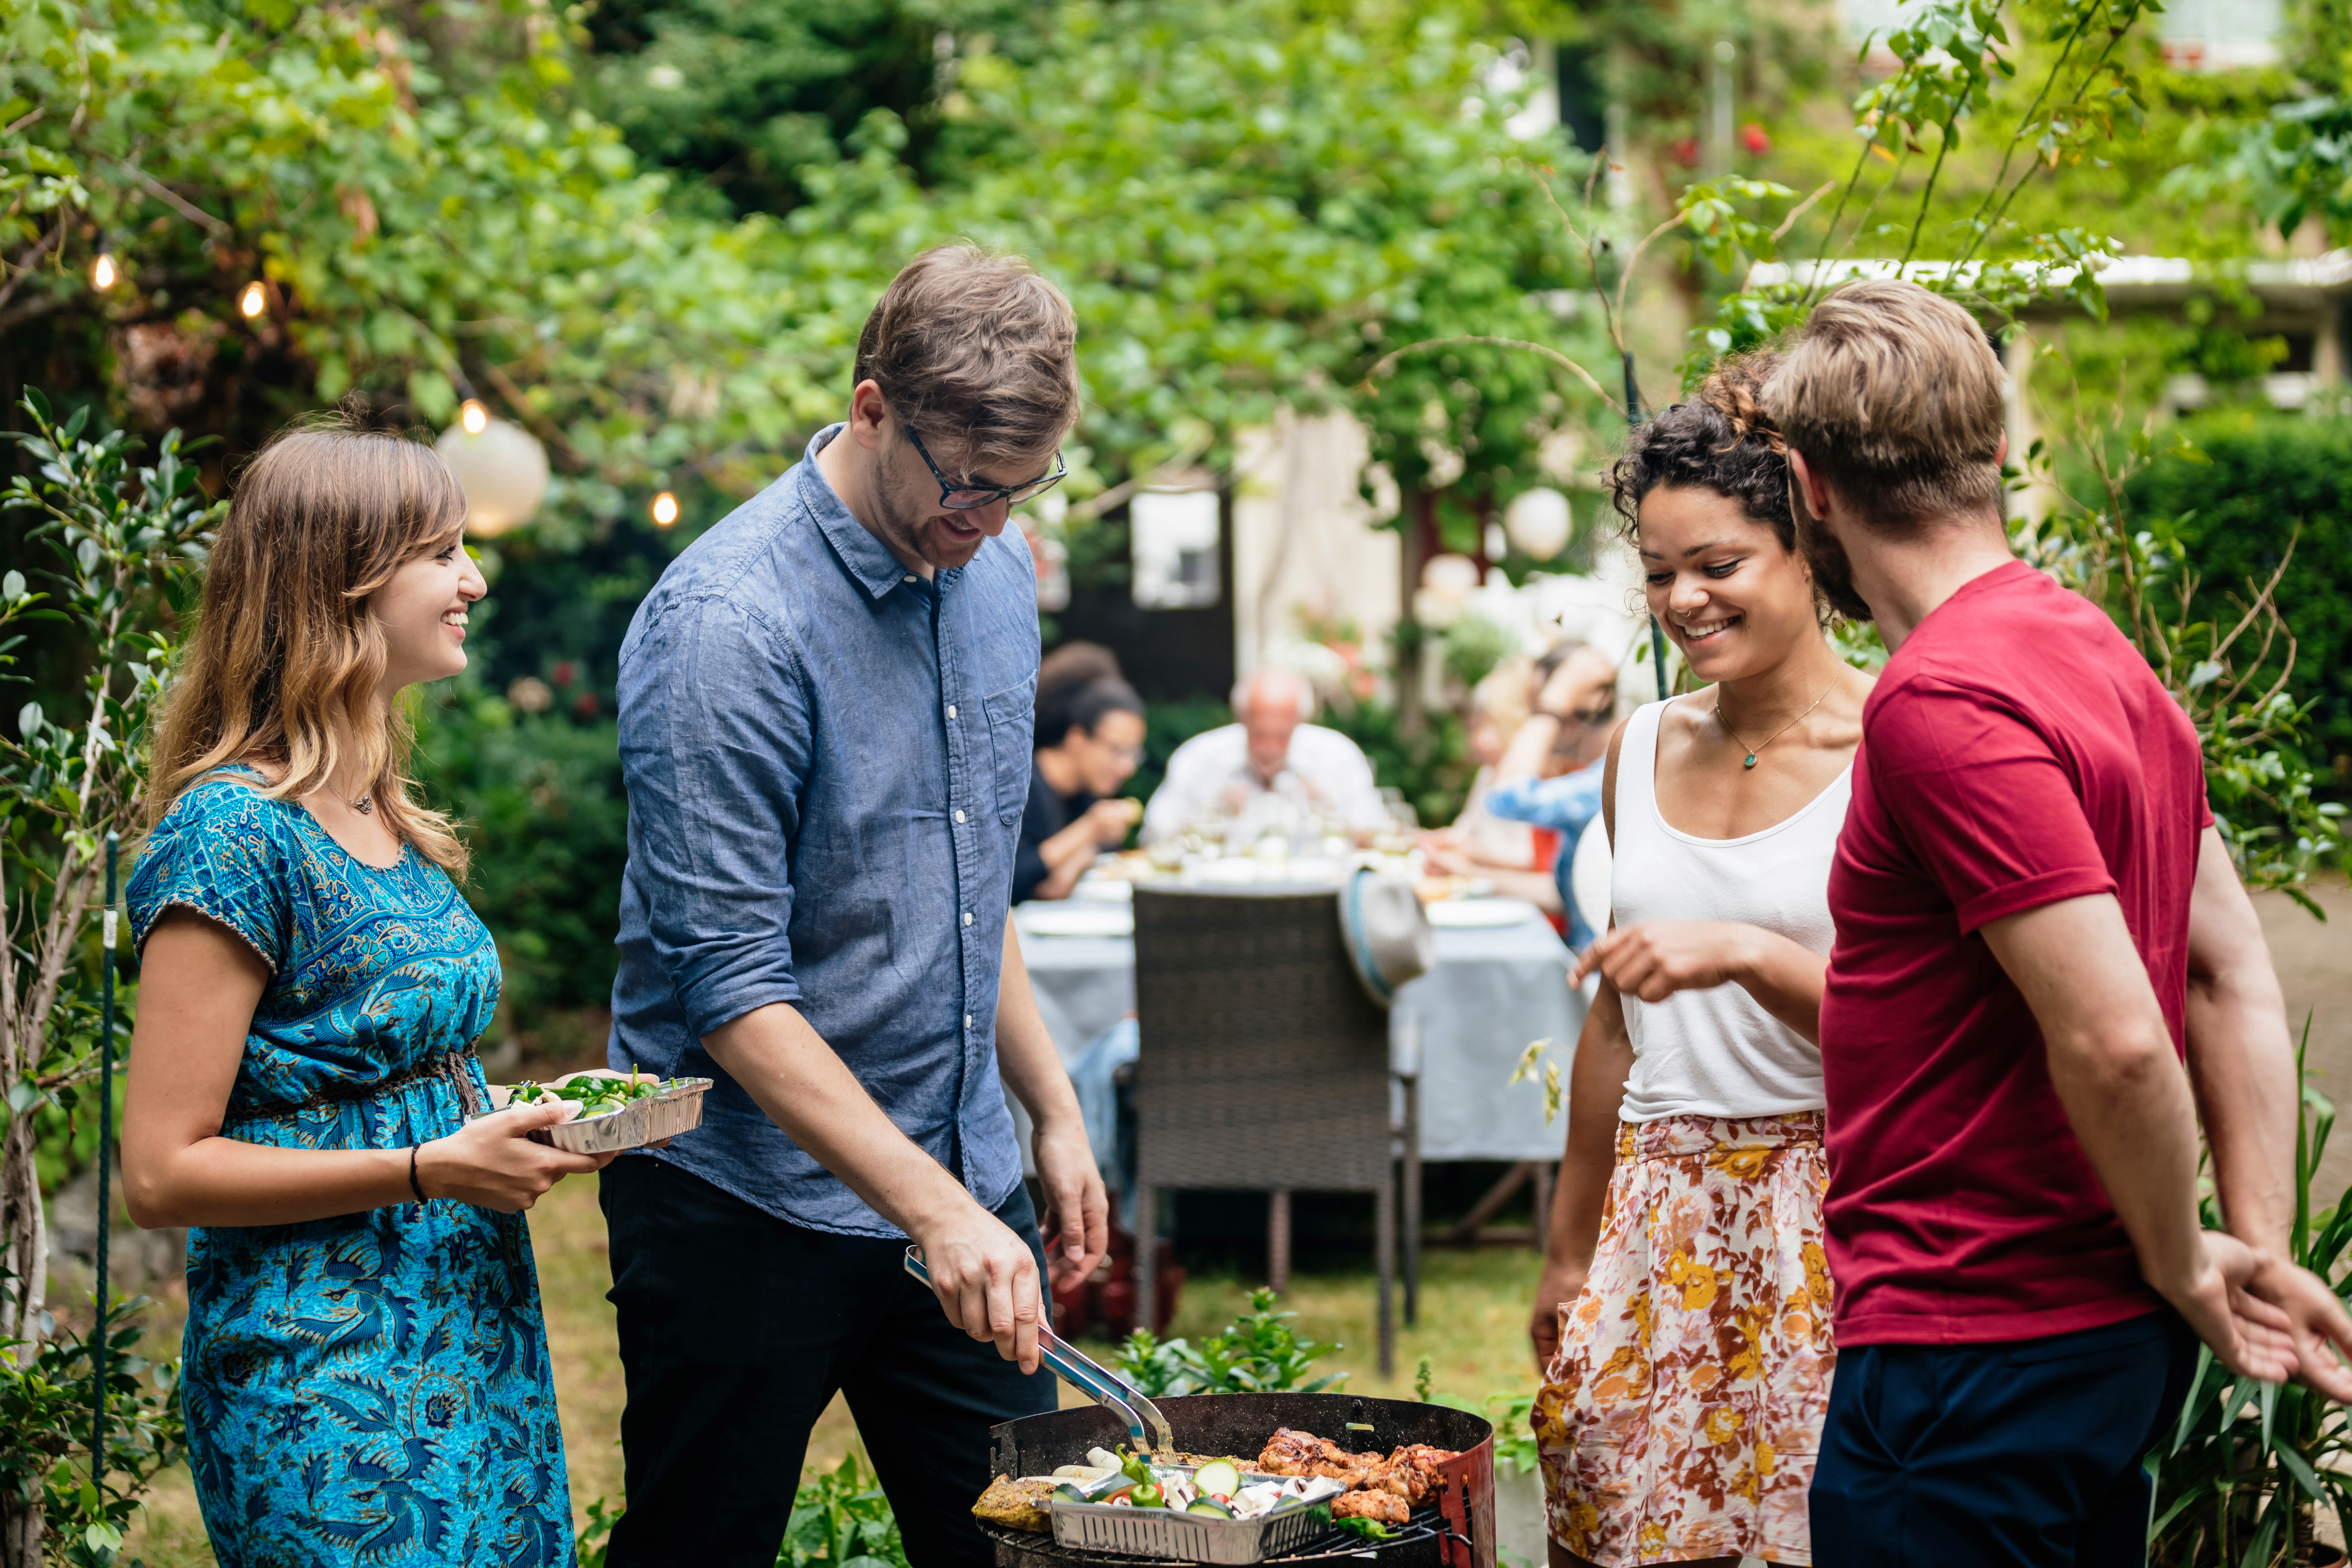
540 801
2250 1464
840 1519
45 1409
2268 475
1258 1352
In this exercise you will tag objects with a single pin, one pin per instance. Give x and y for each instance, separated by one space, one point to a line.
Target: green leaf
2295 1465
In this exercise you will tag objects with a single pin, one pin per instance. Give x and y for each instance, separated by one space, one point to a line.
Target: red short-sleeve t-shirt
2016 752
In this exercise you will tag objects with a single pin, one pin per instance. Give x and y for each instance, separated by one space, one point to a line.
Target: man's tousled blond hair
974 349
1893 396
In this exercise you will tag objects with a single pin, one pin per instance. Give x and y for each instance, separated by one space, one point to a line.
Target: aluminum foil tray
1191 1537
675 1109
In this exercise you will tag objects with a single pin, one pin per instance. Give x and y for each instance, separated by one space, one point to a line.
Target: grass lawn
1473 1329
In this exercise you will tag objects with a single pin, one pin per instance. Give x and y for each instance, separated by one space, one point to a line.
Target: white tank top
1717 1052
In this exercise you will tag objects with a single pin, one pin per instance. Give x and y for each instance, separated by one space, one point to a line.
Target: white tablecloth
1493 991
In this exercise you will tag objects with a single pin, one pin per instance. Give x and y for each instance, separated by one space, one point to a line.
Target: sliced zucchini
1218 1476
1209 1507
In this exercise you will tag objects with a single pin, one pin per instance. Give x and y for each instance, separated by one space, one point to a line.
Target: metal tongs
1097 1382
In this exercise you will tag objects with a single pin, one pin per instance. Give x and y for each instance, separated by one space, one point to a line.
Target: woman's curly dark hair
1719 439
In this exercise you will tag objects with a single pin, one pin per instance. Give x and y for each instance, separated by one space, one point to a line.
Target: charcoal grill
1455 1529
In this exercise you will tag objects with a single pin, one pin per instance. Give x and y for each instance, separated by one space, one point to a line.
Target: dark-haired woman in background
1089 741
1684 1312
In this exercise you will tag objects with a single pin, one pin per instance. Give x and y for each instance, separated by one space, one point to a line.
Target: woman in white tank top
1682 1319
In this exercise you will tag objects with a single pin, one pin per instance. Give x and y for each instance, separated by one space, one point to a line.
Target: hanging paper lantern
1538 523
501 468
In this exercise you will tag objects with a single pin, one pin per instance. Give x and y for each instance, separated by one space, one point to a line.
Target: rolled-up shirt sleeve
716 746
1984 802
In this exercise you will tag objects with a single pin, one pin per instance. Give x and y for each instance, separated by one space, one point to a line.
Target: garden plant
111 558
2249 1464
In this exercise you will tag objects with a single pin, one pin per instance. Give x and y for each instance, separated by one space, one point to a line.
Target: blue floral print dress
369 1389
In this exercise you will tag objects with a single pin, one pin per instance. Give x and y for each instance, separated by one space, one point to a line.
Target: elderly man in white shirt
1272 764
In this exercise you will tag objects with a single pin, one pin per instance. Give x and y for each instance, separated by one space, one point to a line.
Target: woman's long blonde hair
284 643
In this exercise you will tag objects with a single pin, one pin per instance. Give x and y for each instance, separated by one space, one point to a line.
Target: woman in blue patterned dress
366 1376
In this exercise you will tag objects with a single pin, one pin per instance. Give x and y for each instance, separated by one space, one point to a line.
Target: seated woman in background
1514 857
1089 740
1576 698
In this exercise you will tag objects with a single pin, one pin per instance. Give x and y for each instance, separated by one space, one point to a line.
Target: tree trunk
23 1237
20 1534
1416 520
22 1525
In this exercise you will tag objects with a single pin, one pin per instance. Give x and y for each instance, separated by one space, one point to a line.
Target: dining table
1500 982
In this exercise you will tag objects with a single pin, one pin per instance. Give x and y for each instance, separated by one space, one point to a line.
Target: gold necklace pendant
1748 763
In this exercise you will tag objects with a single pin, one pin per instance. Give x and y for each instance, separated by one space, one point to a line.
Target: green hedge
2268 474
539 799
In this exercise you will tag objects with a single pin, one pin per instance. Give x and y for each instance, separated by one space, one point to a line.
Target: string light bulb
474 417
253 301
664 510
103 272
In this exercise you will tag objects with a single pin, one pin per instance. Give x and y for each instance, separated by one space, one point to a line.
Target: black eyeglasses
970 498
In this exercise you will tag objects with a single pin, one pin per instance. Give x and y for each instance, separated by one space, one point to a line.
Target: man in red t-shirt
2037 923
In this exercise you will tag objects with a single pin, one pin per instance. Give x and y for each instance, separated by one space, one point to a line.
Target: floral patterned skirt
1683 1414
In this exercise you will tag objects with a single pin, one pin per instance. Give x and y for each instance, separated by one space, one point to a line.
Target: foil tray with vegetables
617 1110
1221 1510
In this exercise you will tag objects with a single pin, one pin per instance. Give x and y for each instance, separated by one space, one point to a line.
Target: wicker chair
1264 1066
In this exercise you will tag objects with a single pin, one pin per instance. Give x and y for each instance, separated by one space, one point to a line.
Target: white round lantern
501 468
1538 523
1455 576
1446 583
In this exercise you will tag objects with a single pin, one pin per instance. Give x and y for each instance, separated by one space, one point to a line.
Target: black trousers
2026 1453
736 1329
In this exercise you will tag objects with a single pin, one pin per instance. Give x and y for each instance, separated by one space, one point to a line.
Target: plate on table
1077 919
1100 889
1477 915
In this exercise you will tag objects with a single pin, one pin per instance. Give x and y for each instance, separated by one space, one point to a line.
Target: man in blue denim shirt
825 729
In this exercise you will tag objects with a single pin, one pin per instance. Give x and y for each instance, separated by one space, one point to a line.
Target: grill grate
1239 1425
1418 1542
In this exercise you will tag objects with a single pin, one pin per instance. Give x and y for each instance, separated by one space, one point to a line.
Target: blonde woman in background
1478 842
365 1374
1549 777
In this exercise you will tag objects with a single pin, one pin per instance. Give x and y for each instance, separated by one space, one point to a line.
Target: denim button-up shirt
826 759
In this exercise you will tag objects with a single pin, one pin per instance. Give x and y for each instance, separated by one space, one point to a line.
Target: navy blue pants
736 1332
2023 1453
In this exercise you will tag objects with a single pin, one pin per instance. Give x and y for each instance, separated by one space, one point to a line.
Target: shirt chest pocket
1011 714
